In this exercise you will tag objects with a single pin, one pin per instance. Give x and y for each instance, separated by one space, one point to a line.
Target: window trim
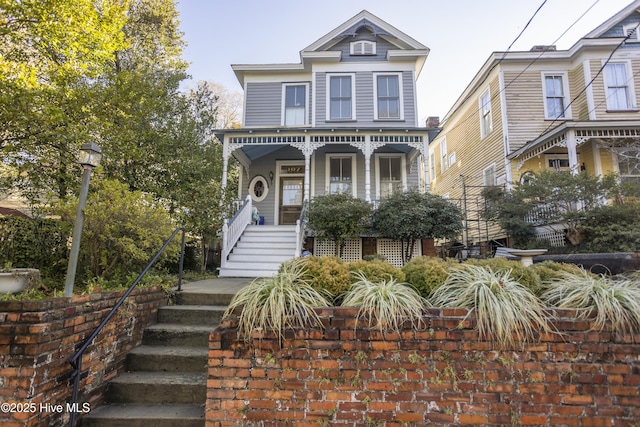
354 172
484 175
252 184
484 132
400 97
284 102
444 156
403 170
353 97
630 85
565 95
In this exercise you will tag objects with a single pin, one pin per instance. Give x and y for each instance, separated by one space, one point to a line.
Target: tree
338 217
411 216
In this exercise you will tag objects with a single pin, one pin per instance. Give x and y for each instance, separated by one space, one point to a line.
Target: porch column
225 163
573 152
367 175
307 175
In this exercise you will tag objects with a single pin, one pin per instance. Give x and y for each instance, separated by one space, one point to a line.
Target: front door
291 197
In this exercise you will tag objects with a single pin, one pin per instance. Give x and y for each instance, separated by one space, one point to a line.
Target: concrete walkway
219 285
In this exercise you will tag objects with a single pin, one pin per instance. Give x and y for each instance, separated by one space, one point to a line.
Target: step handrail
232 229
76 359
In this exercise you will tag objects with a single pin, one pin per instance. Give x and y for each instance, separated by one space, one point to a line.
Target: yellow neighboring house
574 109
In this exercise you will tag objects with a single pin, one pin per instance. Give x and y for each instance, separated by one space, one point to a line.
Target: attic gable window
363 47
632 31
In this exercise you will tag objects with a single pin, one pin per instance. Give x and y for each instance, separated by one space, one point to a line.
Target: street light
89 158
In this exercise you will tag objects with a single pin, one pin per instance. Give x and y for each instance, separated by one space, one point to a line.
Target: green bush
551 270
377 270
426 274
330 274
612 228
526 276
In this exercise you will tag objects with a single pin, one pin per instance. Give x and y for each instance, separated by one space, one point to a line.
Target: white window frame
362 48
432 165
548 157
452 158
630 91
353 97
284 102
491 167
565 95
265 186
354 172
444 156
486 116
400 97
626 29
403 170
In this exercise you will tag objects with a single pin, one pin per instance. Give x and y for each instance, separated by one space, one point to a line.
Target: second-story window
295 105
554 93
486 123
341 103
617 87
388 100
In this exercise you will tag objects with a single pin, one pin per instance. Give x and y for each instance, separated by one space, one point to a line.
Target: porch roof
584 130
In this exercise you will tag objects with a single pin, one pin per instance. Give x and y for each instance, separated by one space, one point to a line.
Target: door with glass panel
291 193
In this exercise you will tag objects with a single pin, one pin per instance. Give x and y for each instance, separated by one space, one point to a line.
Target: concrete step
165 415
169 359
159 388
192 314
167 334
192 298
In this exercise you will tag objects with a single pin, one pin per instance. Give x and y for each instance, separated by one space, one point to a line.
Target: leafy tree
338 217
411 216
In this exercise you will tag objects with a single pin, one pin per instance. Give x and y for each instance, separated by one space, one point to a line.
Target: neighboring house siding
525 99
579 106
263 104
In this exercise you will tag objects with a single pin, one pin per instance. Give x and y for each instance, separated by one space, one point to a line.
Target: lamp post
89 158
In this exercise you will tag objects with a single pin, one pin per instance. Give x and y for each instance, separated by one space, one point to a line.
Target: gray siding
263 104
382 46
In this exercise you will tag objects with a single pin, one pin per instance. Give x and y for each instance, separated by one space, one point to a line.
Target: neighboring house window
559 162
340 97
388 95
341 173
295 104
452 158
486 124
618 91
444 157
363 47
390 174
432 166
555 96
629 165
489 175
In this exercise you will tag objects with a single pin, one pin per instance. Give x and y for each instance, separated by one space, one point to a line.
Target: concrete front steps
260 251
166 380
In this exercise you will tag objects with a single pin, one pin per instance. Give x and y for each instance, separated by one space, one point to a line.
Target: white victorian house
344 119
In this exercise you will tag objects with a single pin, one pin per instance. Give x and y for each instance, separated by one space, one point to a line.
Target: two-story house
574 109
343 119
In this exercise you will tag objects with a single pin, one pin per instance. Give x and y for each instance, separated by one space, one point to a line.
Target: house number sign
292 169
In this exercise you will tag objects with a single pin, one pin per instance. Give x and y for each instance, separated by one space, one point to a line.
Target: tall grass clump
614 302
385 304
276 303
506 311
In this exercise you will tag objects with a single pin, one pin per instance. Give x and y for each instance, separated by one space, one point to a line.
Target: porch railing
234 227
301 229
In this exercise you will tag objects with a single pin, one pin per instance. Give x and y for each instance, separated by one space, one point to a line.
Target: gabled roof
319 51
614 20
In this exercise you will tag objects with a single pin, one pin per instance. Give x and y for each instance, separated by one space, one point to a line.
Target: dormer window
363 47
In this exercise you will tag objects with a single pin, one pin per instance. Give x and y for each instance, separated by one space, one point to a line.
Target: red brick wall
37 339
440 376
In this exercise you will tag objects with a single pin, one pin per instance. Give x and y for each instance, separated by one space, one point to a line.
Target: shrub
276 303
551 270
526 276
426 274
604 226
385 304
329 274
505 310
612 302
377 270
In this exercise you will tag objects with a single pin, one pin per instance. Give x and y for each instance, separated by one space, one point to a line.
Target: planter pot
18 279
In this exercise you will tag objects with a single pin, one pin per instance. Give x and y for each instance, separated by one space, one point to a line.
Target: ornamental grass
609 302
506 311
276 303
385 304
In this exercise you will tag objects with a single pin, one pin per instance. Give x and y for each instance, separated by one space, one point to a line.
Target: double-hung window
390 175
489 175
388 94
618 90
295 104
486 123
341 97
555 93
340 173
444 156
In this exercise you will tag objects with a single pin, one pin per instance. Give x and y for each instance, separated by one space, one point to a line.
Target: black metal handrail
76 360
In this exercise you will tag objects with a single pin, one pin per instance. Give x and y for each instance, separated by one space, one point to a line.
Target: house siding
525 114
579 106
263 104
382 46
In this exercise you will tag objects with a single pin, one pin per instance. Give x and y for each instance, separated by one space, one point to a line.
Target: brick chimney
433 122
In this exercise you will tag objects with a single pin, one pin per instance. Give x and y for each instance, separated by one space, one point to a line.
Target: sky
461 34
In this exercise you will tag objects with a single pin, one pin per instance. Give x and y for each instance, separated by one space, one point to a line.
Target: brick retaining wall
440 376
37 339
